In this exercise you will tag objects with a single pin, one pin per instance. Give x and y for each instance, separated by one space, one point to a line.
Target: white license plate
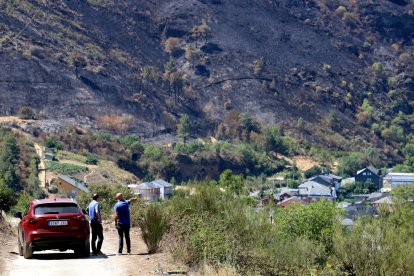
57 222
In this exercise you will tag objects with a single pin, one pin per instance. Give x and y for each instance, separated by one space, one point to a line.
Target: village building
370 174
277 181
49 156
67 185
391 180
291 201
285 193
313 191
385 201
355 209
327 179
154 190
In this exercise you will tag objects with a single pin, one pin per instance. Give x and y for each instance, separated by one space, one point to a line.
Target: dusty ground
7 239
302 162
46 263
305 163
42 177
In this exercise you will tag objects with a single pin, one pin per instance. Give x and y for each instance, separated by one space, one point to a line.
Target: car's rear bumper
63 241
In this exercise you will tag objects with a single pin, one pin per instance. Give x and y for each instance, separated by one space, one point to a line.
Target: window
54 208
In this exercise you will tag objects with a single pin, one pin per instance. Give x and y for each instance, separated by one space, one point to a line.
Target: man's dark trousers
97 232
123 229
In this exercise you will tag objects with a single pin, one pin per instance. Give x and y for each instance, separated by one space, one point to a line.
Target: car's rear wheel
83 251
20 249
19 244
27 251
86 252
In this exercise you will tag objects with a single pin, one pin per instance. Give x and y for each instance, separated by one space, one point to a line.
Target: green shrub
91 160
153 153
53 142
64 168
392 82
341 10
378 68
128 140
107 199
105 136
153 225
189 148
7 199
23 202
315 170
209 227
315 221
26 113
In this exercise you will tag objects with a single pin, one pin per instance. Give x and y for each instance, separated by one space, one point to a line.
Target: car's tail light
80 217
83 223
33 221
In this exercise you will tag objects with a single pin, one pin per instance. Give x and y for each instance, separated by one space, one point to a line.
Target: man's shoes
100 253
94 253
119 254
129 253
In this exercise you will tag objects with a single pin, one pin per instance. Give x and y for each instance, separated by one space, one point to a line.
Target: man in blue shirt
123 221
95 218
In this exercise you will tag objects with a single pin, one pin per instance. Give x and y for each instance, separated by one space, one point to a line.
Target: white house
154 190
394 179
327 179
314 191
166 189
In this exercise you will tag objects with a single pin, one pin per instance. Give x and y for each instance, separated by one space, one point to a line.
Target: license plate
57 222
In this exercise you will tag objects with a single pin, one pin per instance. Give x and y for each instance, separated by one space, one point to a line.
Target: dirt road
42 177
45 263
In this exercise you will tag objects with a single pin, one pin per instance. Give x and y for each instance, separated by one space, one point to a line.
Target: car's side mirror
18 215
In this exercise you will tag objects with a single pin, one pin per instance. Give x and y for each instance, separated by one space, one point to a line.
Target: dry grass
117 173
105 172
115 123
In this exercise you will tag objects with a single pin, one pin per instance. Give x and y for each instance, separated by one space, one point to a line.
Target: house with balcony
370 174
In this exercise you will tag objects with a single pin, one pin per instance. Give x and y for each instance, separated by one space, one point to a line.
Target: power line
31 82
9 39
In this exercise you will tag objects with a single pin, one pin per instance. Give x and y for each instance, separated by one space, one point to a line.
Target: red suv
53 224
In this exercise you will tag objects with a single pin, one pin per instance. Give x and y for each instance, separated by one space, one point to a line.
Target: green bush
107 199
153 224
128 140
26 113
153 153
392 82
315 170
378 68
23 202
222 230
340 10
359 188
53 142
189 148
64 168
91 160
7 199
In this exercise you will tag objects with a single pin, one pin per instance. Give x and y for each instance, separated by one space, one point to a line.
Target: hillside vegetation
334 73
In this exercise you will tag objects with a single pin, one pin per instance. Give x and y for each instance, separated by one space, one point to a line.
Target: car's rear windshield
56 208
